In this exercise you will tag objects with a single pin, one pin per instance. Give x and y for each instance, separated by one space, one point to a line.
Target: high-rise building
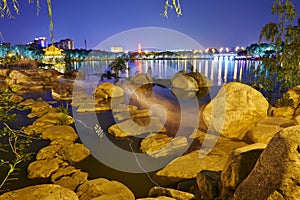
40 41
66 44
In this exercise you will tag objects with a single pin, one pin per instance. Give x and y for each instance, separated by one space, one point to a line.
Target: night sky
211 23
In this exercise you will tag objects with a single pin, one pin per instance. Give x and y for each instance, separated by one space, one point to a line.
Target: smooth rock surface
235 110
40 192
184 82
276 171
104 189
187 166
59 132
43 168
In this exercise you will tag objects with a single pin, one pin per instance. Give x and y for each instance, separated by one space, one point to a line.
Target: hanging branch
175 4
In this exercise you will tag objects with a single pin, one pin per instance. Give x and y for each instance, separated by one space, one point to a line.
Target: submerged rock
41 192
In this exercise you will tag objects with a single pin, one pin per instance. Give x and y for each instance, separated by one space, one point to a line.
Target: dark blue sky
212 23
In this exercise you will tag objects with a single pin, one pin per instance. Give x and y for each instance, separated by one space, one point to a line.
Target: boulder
43 168
110 90
184 82
266 128
48 152
285 112
238 167
294 94
4 72
201 79
3 86
141 79
20 77
59 132
177 146
69 177
104 189
136 127
41 192
208 184
276 173
132 114
157 198
187 166
54 118
176 194
154 142
235 110
75 152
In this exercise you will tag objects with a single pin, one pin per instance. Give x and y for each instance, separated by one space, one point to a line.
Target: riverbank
249 128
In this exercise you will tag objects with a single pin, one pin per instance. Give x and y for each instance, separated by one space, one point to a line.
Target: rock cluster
31 79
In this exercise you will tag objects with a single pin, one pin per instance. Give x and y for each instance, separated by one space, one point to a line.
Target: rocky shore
246 148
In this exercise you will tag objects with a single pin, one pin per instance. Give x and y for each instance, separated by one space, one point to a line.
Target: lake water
218 70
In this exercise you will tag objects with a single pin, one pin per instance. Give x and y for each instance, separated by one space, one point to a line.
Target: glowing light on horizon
139 48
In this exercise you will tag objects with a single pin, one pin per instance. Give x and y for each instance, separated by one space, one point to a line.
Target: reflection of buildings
66 44
53 55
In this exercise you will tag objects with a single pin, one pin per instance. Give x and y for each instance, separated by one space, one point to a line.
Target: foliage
118 65
282 70
13 142
5 10
175 4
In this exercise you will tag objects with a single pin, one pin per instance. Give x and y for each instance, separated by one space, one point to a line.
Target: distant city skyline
213 23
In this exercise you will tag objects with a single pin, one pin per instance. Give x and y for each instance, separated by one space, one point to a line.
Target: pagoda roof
53 51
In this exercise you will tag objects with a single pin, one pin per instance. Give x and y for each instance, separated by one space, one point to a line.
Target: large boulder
141 79
185 82
41 192
187 166
201 79
276 173
103 189
234 110
238 166
20 77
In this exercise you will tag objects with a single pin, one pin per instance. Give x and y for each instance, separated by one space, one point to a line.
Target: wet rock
235 110
184 82
132 114
69 177
176 146
276 173
238 167
104 189
137 127
202 80
108 90
187 166
208 184
39 108
176 194
266 128
41 192
43 168
154 142
75 152
141 79
59 132
54 118
48 152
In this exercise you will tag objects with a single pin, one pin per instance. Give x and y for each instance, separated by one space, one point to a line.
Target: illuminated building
40 41
53 55
116 49
66 44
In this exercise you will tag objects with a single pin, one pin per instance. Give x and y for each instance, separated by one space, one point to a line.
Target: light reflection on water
220 69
